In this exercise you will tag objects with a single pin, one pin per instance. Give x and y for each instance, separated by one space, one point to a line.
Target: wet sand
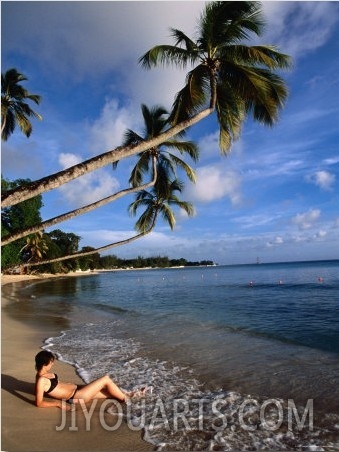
28 428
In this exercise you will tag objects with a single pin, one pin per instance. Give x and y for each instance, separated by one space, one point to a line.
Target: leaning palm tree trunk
3 125
55 180
97 250
81 210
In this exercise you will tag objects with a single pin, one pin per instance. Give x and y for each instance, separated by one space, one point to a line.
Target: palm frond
10 124
146 220
143 198
266 56
155 120
140 169
164 170
193 96
190 173
33 97
181 38
25 125
168 215
159 200
184 147
21 109
257 87
15 109
272 58
176 185
231 113
184 205
225 140
268 96
275 94
167 55
131 138
229 22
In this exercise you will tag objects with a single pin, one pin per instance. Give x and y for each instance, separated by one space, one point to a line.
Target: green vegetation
112 262
21 215
14 108
50 252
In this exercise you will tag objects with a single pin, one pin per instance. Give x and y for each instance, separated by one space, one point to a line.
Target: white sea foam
179 413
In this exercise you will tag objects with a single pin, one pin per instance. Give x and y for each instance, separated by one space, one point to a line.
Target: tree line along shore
112 262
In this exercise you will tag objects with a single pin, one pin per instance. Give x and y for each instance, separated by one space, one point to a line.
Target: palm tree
161 161
80 211
155 121
154 204
228 76
34 249
14 108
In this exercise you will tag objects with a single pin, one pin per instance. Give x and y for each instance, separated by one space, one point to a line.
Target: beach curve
26 428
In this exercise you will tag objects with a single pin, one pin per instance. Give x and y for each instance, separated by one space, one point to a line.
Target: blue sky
274 197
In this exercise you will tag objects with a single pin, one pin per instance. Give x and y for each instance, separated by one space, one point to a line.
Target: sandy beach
27 428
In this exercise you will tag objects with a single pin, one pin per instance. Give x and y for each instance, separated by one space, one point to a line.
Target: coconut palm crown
14 108
35 248
155 204
228 76
155 122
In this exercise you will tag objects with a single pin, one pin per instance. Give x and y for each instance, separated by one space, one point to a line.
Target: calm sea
239 334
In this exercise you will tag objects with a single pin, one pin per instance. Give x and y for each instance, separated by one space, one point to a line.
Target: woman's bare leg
102 388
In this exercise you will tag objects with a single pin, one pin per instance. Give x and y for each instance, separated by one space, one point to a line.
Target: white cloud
214 183
312 22
307 219
220 247
157 86
322 179
209 146
88 188
107 131
67 159
278 240
320 234
150 245
253 221
279 161
92 35
101 237
331 160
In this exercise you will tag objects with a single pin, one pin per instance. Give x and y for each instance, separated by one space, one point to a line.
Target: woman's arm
39 396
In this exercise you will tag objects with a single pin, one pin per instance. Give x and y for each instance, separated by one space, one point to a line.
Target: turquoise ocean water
239 334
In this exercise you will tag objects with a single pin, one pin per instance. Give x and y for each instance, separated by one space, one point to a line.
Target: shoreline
300 381
27 428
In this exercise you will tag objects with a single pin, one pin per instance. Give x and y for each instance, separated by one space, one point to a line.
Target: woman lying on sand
48 383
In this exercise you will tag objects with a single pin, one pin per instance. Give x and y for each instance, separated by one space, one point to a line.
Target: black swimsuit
54 383
70 400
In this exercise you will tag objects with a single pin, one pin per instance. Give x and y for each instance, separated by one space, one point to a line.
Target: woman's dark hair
43 358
